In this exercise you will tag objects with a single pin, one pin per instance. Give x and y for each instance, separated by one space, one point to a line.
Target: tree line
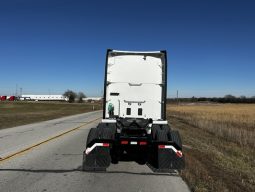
73 96
226 99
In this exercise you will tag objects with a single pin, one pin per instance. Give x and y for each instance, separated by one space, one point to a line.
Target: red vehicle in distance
3 98
12 98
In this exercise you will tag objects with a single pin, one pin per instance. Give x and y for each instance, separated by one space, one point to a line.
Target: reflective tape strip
177 152
160 122
89 149
108 120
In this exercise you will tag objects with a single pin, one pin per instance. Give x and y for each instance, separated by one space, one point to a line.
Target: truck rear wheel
162 128
175 137
105 133
154 131
161 135
93 134
99 158
106 130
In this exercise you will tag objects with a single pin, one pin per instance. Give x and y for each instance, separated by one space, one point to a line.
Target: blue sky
49 46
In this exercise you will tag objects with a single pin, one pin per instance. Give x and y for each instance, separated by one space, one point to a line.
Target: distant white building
87 99
44 98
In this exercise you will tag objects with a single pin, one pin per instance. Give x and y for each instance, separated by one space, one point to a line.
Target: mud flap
96 160
166 159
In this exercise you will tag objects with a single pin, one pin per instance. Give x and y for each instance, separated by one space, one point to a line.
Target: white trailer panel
135 84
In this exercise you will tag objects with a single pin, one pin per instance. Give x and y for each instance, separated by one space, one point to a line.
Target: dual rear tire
163 133
99 133
95 161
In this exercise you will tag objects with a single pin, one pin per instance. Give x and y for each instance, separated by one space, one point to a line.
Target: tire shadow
79 169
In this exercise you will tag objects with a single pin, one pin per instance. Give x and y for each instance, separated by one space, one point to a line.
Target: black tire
166 128
107 125
90 163
93 134
161 135
176 138
154 131
84 167
115 159
141 160
105 133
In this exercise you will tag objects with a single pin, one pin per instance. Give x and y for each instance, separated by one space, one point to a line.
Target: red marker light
124 142
106 144
143 143
161 146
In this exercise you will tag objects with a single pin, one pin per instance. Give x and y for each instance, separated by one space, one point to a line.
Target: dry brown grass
233 122
21 113
220 155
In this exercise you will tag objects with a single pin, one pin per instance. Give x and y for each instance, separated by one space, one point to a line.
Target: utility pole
16 93
177 97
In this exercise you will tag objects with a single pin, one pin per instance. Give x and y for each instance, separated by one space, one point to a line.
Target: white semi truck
134 125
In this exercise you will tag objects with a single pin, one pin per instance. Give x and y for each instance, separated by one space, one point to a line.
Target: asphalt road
55 165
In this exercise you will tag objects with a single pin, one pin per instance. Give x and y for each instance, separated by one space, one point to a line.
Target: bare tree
71 95
81 95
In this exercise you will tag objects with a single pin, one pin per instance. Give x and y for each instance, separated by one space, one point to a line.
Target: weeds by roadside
217 159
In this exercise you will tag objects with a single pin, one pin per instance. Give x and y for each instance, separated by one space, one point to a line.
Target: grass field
21 113
219 145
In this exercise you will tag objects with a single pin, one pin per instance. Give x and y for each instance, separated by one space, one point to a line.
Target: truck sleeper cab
134 126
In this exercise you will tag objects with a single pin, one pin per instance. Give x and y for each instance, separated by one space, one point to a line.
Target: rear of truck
134 126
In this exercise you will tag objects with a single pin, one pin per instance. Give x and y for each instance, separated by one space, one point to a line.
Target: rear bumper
159 156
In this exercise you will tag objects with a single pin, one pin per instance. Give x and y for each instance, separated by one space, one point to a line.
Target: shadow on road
79 170
135 173
41 170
